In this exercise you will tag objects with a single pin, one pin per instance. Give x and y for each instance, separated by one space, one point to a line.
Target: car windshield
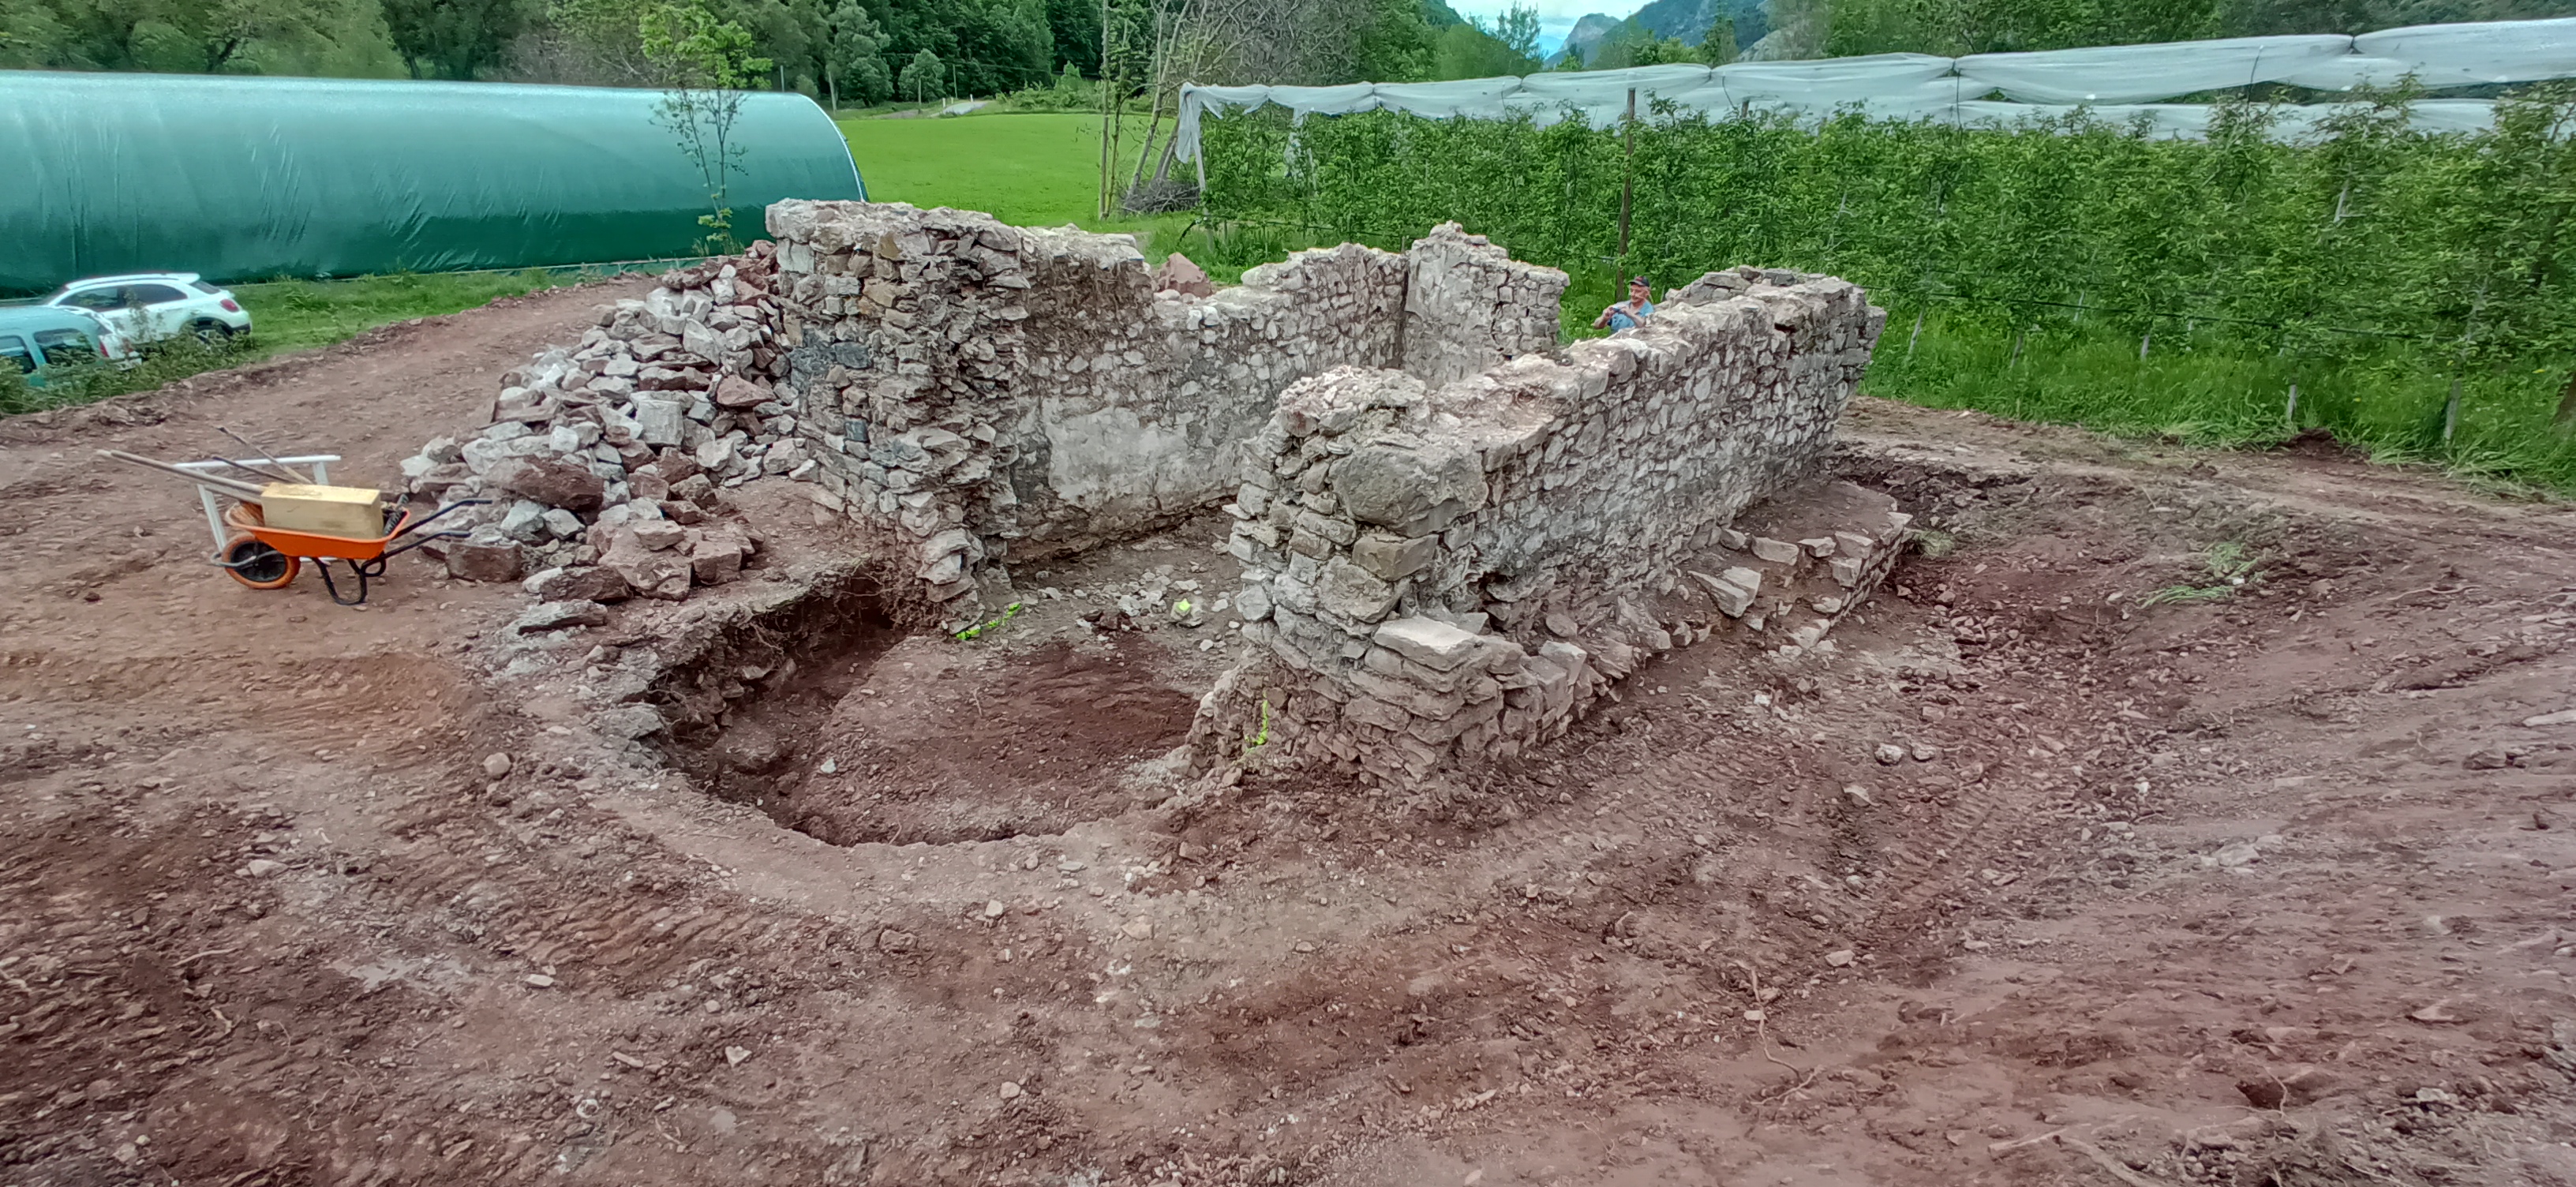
203 287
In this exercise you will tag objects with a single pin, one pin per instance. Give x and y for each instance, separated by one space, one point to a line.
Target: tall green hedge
2449 240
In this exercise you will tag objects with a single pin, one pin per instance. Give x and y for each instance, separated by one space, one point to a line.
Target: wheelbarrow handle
419 538
433 516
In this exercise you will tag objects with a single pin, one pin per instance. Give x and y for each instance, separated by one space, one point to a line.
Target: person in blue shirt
1628 314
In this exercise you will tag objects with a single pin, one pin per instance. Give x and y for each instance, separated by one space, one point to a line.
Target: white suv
152 307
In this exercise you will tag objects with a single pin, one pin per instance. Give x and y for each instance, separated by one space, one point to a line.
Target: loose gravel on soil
2028 882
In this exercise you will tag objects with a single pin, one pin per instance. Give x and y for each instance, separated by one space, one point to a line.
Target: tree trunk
1143 150
1158 72
1105 85
1117 144
1627 174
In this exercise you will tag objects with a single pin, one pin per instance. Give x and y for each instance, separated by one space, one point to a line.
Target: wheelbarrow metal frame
321 463
366 558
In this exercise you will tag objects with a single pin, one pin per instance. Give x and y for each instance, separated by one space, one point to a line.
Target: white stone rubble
607 461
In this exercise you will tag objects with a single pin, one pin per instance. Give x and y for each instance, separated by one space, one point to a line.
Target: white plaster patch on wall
1113 462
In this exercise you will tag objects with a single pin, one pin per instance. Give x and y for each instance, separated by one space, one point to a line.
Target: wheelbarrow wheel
257 565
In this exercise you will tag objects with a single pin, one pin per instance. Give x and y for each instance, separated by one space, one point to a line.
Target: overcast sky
1555 17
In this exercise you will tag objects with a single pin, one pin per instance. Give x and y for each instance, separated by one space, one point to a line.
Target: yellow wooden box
354 512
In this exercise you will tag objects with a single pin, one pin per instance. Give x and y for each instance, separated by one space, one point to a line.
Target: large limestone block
1732 590
650 573
1412 490
484 556
1427 641
1394 558
583 583
1351 593
550 482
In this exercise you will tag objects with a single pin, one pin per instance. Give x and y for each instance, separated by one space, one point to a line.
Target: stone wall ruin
1455 534
979 392
1451 573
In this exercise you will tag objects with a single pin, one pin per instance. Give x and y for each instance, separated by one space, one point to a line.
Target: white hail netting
2117 83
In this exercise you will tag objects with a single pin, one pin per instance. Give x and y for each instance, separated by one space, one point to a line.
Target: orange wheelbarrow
263 557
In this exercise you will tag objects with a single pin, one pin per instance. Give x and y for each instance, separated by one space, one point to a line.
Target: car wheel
213 333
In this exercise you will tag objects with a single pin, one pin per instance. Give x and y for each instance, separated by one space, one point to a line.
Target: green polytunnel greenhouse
251 178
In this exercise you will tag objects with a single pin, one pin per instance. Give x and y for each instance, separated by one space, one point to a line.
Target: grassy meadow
2389 399
1033 170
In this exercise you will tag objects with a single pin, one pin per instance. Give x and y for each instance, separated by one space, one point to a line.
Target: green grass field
300 314
2386 398
288 315
1033 170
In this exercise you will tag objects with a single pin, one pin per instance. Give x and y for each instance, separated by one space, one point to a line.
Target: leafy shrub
1070 92
2373 228
2380 268
87 382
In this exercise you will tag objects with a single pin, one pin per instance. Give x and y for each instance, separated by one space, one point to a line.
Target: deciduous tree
452 38
924 76
704 63
854 64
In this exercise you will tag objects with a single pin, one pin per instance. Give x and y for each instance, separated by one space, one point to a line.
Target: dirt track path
270 922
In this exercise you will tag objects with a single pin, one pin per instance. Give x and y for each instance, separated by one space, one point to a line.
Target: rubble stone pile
607 462
982 392
1454 573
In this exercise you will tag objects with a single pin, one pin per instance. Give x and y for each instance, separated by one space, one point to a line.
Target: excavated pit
840 724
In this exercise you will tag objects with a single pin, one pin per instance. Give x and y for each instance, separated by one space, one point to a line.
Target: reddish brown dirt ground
2268 888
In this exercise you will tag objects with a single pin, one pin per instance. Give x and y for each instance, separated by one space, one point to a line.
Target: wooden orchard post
1627 179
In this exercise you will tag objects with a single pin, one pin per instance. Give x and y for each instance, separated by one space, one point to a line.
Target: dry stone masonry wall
1454 534
1445 574
1468 305
978 392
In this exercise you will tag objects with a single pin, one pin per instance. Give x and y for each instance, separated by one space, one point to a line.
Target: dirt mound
2318 441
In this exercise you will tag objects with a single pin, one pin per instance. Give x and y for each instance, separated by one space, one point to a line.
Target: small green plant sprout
1181 610
2228 566
972 633
1260 737
1934 543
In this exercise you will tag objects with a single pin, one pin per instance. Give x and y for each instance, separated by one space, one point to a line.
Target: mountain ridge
1686 21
